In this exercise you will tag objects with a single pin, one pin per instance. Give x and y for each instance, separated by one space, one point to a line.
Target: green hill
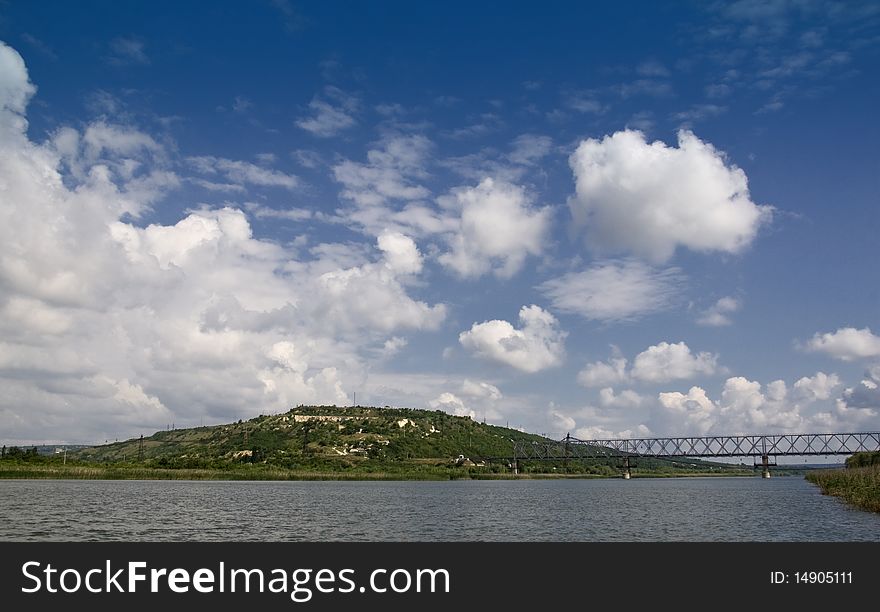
358 440
319 434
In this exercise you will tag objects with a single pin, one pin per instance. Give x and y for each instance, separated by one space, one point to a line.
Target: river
649 509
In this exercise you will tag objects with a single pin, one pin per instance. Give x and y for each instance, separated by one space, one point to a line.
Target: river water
661 509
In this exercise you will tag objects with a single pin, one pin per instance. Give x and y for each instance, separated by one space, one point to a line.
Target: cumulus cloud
625 399
818 386
615 290
497 229
15 89
451 403
863 399
111 328
537 345
561 422
330 118
747 407
648 199
480 389
401 253
718 315
120 157
601 373
489 228
475 399
692 411
847 344
393 346
665 362
660 363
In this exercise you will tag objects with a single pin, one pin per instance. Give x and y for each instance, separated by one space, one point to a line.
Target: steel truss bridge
762 446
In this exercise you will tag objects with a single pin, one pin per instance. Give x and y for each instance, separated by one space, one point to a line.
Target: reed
859 486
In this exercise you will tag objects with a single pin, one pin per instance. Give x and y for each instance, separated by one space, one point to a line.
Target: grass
859 486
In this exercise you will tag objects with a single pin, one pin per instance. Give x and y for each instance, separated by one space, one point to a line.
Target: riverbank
859 486
258 472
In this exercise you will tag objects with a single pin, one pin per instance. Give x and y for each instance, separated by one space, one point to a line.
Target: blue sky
616 220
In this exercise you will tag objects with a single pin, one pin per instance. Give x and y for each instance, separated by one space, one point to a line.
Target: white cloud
863 400
498 229
451 403
692 412
329 119
401 254
665 362
112 329
847 344
388 173
648 199
538 345
15 89
601 374
388 195
561 422
394 345
475 399
120 157
240 173
307 158
584 102
480 389
615 290
718 315
625 399
290 214
660 363
746 408
529 149
101 137
817 387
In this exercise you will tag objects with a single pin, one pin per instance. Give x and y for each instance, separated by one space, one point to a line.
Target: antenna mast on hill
141 448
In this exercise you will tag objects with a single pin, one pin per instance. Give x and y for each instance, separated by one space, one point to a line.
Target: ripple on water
683 509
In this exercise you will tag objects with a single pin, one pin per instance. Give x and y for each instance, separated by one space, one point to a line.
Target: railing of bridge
704 446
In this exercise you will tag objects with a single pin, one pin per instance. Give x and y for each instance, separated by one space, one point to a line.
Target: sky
606 220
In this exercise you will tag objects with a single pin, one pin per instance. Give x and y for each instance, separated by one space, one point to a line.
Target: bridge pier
765 466
627 469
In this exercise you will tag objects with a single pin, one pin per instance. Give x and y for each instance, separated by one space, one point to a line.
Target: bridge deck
709 446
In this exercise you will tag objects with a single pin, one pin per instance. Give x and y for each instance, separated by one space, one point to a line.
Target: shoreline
136 473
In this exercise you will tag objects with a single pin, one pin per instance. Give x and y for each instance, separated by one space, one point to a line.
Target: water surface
662 509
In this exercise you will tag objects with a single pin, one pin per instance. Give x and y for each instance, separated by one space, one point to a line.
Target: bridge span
767 447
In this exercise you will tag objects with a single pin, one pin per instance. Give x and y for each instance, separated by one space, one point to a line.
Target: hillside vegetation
333 442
